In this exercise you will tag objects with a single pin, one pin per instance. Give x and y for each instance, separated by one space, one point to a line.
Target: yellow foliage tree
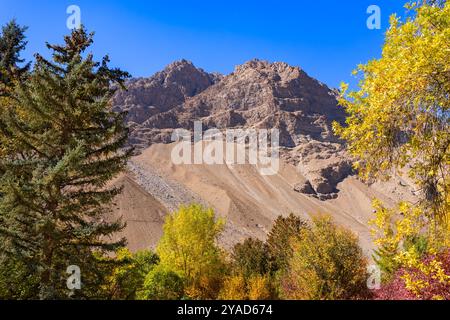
256 287
259 288
399 120
126 279
401 235
189 248
327 264
400 116
234 288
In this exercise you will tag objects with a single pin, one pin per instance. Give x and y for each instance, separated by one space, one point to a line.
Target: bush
128 278
429 280
278 240
234 288
162 284
189 248
250 258
256 287
327 263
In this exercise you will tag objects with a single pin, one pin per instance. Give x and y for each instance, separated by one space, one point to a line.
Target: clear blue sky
327 38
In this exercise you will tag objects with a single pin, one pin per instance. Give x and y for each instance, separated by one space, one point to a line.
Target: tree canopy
400 116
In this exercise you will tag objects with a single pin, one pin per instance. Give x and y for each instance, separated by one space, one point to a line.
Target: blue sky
327 38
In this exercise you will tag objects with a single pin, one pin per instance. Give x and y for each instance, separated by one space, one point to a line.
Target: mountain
315 173
257 94
166 89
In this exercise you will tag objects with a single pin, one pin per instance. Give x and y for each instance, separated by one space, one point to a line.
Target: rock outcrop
166 89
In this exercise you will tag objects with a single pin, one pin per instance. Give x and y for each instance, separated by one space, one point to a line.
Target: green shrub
162 284
127 279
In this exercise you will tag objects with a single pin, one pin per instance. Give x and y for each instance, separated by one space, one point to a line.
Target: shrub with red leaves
396 289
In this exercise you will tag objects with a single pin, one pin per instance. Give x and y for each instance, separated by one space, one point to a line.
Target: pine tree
68 144
12 42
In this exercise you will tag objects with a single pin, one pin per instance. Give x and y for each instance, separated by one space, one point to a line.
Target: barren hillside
249 201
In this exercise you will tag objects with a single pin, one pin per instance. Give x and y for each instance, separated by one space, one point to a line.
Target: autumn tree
253 287
279 238
260 287
400 117
327 264
65 146
189 248
234 288
250 257
162 284
399 123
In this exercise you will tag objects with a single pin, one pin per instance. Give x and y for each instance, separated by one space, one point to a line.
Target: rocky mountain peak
164 90
277 71
184 73
180 64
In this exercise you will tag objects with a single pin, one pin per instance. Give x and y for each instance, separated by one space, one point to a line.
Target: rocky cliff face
258 94
166 89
